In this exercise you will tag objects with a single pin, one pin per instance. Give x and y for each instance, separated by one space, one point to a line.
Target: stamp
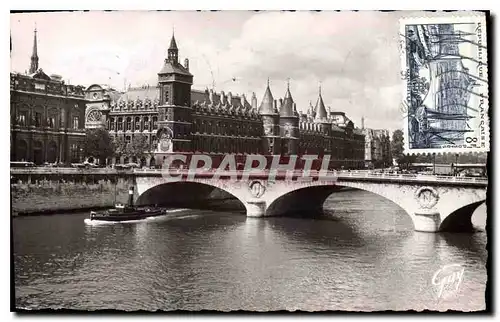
445 83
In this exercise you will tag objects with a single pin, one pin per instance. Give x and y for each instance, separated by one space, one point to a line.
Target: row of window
51 153
225 145
227 128
121 124
38 121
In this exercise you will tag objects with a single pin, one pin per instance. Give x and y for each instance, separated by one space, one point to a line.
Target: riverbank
48 197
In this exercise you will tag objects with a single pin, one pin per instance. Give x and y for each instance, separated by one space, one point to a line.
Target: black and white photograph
257 161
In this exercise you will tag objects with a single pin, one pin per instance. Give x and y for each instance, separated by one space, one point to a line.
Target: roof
320 111
286 109
140 93
173 44
266 106
174 67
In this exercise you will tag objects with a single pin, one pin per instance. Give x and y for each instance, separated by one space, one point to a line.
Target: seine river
365 256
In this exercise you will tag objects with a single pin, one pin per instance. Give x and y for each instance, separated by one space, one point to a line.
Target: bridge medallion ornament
257 189
427 197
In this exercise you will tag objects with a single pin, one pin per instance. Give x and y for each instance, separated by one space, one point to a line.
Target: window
167 96
120 124
76 122
38 119
21 118
74 153
155 123
128 139
146 124
51 122
112 123
129 124
137 124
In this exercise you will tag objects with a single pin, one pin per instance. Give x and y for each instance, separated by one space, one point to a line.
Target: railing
342 175
55 171
331 174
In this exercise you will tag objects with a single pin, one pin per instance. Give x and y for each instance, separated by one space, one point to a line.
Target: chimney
243 100
222 98
254 101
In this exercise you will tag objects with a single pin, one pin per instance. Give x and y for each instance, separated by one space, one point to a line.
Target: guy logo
448 279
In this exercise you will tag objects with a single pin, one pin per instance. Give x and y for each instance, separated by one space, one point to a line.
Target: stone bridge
434 203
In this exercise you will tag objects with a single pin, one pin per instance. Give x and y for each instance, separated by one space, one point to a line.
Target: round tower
289 125
270 138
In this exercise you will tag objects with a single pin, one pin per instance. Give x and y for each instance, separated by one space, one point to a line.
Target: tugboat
127 212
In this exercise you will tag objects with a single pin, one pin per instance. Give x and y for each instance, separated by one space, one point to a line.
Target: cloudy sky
353 55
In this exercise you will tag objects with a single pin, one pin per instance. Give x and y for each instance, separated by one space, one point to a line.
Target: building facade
47 116
377 148
175 118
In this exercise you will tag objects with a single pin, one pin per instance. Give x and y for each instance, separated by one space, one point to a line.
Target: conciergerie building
178 119
49 119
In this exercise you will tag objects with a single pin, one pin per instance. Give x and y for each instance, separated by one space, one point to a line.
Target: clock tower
174 108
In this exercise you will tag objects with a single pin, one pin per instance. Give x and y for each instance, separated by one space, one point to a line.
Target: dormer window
40 86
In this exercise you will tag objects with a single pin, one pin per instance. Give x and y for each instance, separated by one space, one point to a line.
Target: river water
365 256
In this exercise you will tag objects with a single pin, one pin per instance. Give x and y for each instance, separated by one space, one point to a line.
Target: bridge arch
460 220
185 194
311 200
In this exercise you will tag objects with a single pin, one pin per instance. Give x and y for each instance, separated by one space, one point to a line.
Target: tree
120 146
98 144
138 146
397 149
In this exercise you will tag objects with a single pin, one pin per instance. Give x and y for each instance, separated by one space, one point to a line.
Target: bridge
434 203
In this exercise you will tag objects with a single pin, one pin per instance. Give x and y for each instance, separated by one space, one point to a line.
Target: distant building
377 148
47 116
178 119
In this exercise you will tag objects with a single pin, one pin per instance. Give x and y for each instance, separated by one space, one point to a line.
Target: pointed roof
320 110
35 48
34 56
266 106
173 44
286 108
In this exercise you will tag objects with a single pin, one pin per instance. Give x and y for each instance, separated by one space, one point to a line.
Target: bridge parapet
316 175
428 200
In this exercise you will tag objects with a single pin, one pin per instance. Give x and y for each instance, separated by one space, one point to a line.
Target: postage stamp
445 83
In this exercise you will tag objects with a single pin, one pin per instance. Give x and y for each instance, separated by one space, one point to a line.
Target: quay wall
38 193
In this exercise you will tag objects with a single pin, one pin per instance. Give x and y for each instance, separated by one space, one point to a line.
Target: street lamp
434 164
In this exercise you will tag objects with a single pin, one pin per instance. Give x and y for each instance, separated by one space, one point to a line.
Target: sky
353 55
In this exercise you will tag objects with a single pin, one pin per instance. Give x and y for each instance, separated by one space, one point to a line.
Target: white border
493 5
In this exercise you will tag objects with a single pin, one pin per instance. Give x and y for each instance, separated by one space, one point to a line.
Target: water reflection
364 256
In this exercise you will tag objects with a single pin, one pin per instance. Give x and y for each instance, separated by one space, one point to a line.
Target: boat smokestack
131 196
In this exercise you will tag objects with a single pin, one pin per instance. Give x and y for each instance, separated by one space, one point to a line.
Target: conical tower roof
320 110
266 106
173 44
287 108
